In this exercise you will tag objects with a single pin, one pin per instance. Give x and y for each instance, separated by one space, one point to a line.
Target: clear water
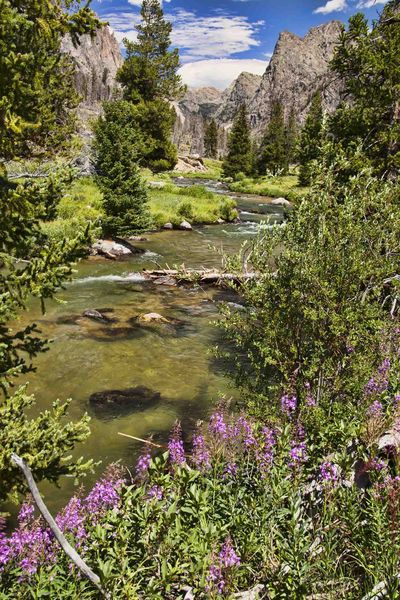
176 361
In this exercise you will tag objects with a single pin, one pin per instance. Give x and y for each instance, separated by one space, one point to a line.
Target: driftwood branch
65 545
210 277
379 591
132 437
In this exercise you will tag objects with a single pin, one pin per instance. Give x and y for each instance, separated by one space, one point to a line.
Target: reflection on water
172 360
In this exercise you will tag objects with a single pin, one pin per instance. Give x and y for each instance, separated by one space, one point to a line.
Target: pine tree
117 145
211 140
272 153
149 78
368 63
239 156
291 134
36 94
310 139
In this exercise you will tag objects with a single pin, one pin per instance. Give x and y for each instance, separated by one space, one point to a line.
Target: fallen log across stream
204 276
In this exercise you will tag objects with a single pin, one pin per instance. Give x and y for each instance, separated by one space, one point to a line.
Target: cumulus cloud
370 3
331 6
220 72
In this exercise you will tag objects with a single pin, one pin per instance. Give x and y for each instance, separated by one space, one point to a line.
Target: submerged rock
136 398
96 315
152 318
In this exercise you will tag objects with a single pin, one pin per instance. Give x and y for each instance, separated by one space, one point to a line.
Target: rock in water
137 398
152 318
96 315
281 202
110 249
168 226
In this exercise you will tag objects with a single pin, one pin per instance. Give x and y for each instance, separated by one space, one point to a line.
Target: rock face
97 60
193 111
298 67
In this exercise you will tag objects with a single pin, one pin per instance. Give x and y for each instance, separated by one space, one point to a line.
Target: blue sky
218 39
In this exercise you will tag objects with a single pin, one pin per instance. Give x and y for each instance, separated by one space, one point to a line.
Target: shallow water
174 360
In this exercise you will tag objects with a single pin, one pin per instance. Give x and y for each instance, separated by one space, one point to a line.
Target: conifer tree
239 156
291 133
36 94
368 63
149 78
272 154
117 145
310 139
211 140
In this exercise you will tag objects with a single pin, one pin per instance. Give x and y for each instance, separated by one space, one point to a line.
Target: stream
174 361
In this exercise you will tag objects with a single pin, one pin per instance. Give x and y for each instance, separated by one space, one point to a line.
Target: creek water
176 361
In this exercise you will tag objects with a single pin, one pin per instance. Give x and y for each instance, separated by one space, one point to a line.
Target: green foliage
315 313
117 146
239 157
211 140
172 204
368 62
276 187
273 149
291 136
35 102
311 138
150 80
36 80
150 70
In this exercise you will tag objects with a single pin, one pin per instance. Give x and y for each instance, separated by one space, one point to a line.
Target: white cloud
332 6
217 36
370 3
220 72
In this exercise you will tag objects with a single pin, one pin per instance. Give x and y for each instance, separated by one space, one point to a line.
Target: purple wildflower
217 425
375 409
175 447
396 399
249 439
288 405
379 383
265 453
26 513
155 492
201 455
227 556
72 518
230 470
328 472
215 579
298 453
142 465
103 496
310 400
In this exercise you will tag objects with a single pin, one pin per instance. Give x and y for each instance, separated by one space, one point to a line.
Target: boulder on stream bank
114 249
136 398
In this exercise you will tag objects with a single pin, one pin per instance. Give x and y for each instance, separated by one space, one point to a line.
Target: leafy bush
251 503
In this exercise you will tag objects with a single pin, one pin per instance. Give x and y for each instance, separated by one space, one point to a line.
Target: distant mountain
298 67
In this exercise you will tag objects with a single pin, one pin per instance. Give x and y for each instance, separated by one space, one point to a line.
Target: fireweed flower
265 450
155 492
375 409
288 405
228 556
298 453
142 465
104 496
248 439
201 455
175 447
230 470
379 383
26 513
72 518
217 425
328 472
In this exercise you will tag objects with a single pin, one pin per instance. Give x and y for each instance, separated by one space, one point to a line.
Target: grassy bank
83 204
285 186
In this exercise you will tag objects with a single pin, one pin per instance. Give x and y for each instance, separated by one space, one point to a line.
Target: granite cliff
298 67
